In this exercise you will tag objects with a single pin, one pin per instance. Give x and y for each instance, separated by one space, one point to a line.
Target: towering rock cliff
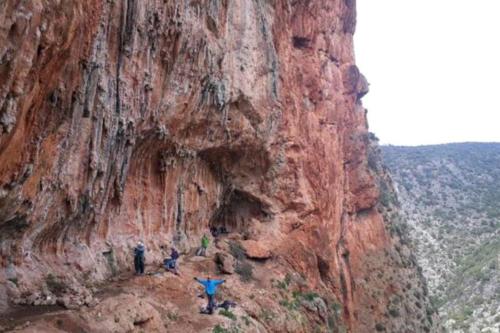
153 120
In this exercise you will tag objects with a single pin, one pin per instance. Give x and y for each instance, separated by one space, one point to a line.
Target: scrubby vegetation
227 313
55 285
243 268
298 303
450 196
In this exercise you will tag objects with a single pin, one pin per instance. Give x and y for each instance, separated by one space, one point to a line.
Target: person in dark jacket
227 304
139 258
210 290
171 263
214 231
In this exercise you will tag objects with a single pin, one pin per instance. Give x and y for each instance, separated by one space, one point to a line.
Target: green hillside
450 195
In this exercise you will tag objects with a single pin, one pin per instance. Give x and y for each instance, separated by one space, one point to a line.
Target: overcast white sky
433 68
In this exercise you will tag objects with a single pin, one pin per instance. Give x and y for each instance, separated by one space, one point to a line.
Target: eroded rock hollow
154 120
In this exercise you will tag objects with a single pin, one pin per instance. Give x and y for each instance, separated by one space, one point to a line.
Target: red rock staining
153 120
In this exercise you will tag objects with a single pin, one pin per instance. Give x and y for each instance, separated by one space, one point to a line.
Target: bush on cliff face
227 313
243 268
283 284
55 285
299 302
237 251
219 329
15 281
387 196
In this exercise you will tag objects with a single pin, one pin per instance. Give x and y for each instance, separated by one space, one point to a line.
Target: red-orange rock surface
152 120
255 249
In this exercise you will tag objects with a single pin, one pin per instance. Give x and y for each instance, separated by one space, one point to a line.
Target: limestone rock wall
124 120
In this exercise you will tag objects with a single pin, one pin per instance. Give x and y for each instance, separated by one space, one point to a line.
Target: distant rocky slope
450 195
154 120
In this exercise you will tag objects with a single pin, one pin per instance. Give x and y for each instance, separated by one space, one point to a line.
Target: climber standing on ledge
210 290
139 259
202 250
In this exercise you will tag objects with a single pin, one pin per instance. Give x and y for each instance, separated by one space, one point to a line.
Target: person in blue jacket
210 290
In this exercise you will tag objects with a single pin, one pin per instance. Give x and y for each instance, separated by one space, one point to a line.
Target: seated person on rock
170 264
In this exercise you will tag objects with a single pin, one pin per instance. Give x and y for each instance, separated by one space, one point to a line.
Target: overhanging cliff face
128 120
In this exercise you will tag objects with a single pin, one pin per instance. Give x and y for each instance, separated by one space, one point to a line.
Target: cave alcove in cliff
238 212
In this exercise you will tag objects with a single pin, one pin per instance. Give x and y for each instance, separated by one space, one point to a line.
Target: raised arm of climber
210 290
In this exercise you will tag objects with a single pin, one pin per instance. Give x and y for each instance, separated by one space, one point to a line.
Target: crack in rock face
127 121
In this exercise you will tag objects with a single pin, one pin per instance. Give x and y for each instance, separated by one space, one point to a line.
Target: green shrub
219 329
237 251
15 281
172 316
290 304
285 283
310 296
394 312
244 270
228 314
266 315
246 320
55 285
